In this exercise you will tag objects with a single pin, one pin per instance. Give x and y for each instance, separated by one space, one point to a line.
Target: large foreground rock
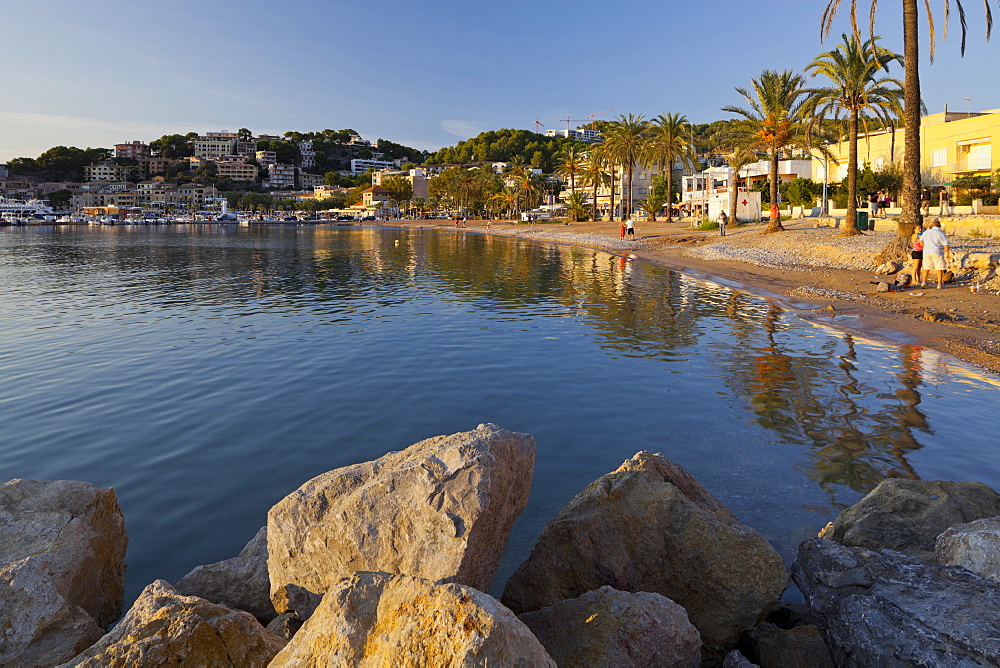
441 509
165 628
888 609
62 569
650 526
974 546
378 619
614 628
907 515
240 582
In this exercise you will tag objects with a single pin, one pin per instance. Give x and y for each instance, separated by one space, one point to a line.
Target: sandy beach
809 269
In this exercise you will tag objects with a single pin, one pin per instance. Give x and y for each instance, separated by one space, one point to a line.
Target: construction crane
537 125
574 120
600 113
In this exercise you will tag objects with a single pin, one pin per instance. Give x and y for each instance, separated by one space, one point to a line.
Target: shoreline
954 320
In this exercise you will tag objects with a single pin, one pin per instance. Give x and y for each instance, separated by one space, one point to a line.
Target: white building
308 155
362 165
417 177
215 145
280 176
579 134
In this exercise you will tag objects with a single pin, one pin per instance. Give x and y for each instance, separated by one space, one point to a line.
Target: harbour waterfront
205 373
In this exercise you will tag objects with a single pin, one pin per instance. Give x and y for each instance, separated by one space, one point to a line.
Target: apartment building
321 191
215 145
362 165
308 155
135 150
952 145
266 158
107 171
246 148
194 195
579 134
236 170
308 181
280 176
151 166
417 177
375 197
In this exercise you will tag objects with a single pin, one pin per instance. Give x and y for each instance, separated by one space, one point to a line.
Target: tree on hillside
860 91
912 104
174 146
244 134
570 163
670 143
773 123
625 143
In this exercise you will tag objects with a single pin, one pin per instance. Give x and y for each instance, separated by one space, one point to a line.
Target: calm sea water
205 373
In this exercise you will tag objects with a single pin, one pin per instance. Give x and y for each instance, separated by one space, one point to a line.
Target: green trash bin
863 220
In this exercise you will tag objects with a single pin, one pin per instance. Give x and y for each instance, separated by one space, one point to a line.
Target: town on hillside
573 174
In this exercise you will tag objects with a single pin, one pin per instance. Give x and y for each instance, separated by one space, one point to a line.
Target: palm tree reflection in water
849 442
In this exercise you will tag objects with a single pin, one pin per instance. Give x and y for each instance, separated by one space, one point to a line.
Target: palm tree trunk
611 212
594 203
774 225
734 187
850 222
670 186
898 248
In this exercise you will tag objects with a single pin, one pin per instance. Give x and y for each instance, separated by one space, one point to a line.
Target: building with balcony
280 176
135 150
266 158
362 165
235 170
246 148
309 181
308 155
579 134
215 145
952 145
107 171
324 191
417 177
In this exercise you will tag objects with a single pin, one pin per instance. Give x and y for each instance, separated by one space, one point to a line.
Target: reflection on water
204 373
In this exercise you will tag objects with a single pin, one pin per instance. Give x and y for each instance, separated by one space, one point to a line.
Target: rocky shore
388 563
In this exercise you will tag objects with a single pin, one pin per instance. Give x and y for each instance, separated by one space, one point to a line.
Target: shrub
707 224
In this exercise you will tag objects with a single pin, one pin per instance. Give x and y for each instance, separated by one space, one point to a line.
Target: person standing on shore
945 197
630 228
873 204
937 253
723 221
621 230
925 200
917 252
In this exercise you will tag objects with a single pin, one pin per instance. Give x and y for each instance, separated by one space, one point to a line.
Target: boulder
650 526
889 609
797 647
62 568
907 515
735 659
441 509
164 627
378 619
887 268
974 546
609 628
285 625
240 582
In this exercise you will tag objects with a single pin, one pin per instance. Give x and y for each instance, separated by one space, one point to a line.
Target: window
880 163
642 191
939 157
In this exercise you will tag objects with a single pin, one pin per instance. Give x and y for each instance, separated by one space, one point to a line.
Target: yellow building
952 145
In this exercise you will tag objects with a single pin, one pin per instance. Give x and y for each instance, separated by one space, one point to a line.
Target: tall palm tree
775 123
595 173
625 144
570 163
910 192
860 91
669 143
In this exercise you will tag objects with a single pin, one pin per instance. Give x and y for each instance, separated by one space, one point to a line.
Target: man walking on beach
937 253
945 197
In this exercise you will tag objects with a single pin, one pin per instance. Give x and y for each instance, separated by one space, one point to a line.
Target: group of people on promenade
931 252
879 201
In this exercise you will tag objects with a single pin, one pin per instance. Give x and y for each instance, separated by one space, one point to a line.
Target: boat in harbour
33 211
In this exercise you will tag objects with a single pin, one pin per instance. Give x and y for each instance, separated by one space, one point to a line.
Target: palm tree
571 163
576 206
668 144
861 92
595 173
653 203
912 106
625 144
774 116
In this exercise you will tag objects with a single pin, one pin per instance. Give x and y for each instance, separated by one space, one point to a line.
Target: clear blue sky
421 73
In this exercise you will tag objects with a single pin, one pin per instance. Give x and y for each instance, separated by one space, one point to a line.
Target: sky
424 74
